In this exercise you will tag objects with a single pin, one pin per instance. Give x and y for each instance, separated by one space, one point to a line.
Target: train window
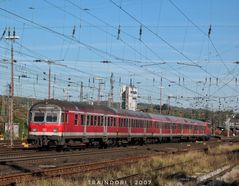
105 121
91 120
102 120
125 122
113 123
39 117
66 118
30 116
76 120
120 122
99 121
95 121
82 119
88 120
110 121
114 119
51 117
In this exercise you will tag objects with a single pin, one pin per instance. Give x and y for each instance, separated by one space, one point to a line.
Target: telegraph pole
169 106
161 84
49 62
99 89
111 90
12 38
81 91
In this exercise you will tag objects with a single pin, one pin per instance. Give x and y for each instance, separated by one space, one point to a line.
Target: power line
162 39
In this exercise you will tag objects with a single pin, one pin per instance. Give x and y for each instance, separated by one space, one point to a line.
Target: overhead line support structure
49 62
12 38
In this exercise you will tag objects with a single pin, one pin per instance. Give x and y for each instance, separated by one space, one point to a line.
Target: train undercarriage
60 142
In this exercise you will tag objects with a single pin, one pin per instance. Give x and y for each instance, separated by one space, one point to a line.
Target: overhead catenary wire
165 41
116 60
65 36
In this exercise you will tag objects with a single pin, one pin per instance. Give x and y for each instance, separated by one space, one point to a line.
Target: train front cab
46 125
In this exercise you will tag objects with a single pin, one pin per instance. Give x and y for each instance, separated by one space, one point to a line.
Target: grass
224 148
199 163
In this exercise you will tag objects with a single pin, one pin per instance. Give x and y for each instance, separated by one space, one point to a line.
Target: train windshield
39 117
47 117
51 117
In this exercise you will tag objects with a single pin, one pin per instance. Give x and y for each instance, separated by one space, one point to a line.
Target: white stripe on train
90 134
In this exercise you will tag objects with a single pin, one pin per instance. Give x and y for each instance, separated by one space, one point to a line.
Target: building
129 97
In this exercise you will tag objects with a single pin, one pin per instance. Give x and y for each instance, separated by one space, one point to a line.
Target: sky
191 46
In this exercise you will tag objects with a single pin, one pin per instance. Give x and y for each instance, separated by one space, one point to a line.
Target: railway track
37 157
72 168
69 169
202 180
20 156
210 178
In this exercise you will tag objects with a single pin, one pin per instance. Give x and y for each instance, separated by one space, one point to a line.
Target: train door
144 125
105 123
129 128
85 124
65 121
160 127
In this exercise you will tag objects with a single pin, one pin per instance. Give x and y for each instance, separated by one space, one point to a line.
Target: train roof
175 119
76 106
131 113
84 107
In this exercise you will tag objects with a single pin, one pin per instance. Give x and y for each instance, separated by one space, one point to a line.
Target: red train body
60 123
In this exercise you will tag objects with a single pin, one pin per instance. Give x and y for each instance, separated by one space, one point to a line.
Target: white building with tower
129 97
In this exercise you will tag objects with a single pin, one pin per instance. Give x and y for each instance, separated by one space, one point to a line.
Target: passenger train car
65 124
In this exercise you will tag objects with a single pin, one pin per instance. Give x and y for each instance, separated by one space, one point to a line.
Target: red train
65 124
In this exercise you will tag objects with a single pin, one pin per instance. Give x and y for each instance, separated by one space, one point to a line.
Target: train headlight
34 130
55 130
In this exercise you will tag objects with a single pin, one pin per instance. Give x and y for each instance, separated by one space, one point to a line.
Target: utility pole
161 84
12 38
49 62
54 82
99 89
169 97
81 91
111 90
